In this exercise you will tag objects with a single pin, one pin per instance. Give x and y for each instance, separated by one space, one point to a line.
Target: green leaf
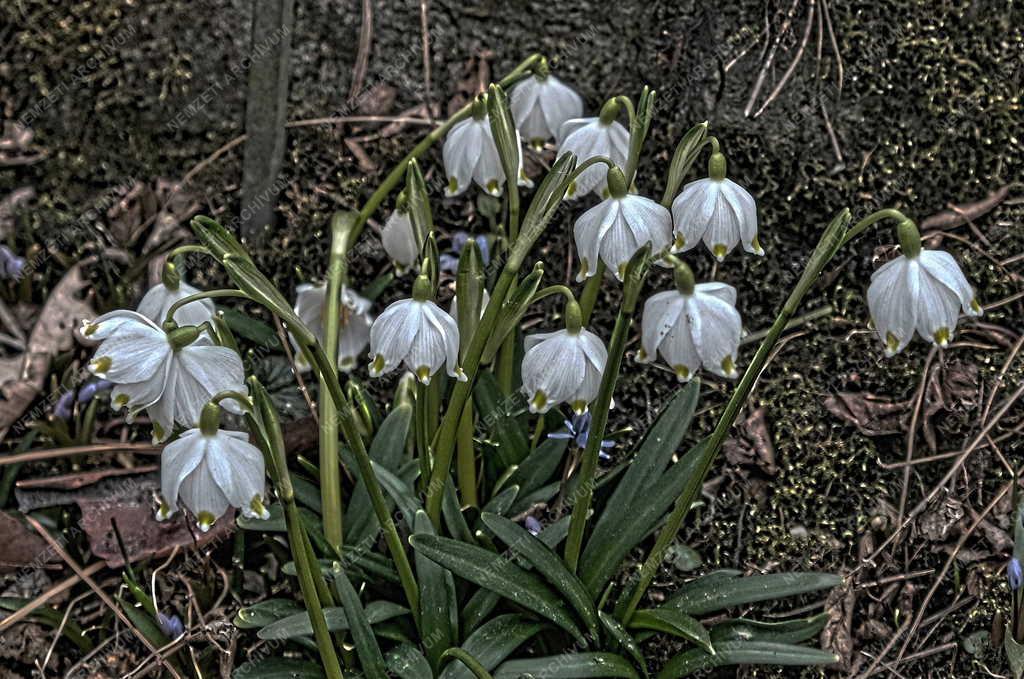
502 502
297 624
744 653
617 632
539 466
699 597
494 641
494 572
568 666
505 430
370 657
785 632
437 596
454 520
404 496
52 618
675 623
266 612
615 530
278 668
406 662
1014 653
387 449
548 564
252 329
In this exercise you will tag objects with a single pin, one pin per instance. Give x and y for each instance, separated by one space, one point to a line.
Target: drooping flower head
171 375
922 290
587 138
541 103
617 227
470 154
691 327
419 334
353 323
564 366
158 301
715 210
399 238
210 470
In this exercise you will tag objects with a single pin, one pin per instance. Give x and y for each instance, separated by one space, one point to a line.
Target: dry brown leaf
22 545
871 415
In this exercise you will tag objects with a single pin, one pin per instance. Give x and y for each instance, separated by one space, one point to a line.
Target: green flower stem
685 155
465 458
299 544
396 174
350 430
591 289
802 319
444 448
330 468
636 272
538 431
830 242
554 290
474 666
185 249
863 225
421 430
513 207
206 294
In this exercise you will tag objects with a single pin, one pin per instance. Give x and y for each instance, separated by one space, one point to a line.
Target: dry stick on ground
949 562
58 631
43 598
51 453
363 55
766 66
912 431
923 504
303 389
1002 374
104 597
425 30
793 64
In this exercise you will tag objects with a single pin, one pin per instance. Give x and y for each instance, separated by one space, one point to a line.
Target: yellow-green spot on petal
584 267
158 430
942 336
258 508
102 364
719 251
891 341
539 400
537 143
571 191
680 241
605 193
682 372
90 329
641 355
120 401
975 307
492 187
377 367
757 246
622 270
728 366
423 374
164 511
579 407
453 185
205 520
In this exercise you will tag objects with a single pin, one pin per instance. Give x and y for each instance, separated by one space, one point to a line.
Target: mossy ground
929 113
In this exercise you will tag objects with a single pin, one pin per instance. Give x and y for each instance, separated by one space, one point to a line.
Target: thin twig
766 66
793 64
52 592
912 431
363 55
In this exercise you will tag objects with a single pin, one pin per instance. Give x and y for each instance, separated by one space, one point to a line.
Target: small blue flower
11 265
1014 574
62 408
449 261
170 625
578 430
89 390
532 525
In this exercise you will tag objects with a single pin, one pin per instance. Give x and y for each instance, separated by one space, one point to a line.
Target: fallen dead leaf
22 546
871 415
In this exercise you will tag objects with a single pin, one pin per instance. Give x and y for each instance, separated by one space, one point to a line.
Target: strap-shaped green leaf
406 662
278 668
498 574
539 466
616 519
404 496
494 641
512 444
784 632
568 666
388 450
703 595
502 502
673 622
744 653
297 624
265 612
437 596
548 564
617 632
370 657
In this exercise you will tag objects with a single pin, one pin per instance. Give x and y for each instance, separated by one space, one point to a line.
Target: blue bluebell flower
1014 574
449 261
88 391
65 403
532 525
170 625
11 265
578 430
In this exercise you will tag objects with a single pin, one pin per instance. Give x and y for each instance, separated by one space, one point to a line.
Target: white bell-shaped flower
587 138
617 227
718 211
563 367
210 472
540 104
158 300
470 155
353 324
419 334
170 375
691 327
922 290
399 239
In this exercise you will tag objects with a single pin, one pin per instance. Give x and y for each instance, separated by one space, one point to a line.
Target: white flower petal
555 368
559 103
943 267
460 152
132 352
392 334
158 300
202 372
238 469
399 239
716 329
201 494
177 461
745 210
890 302
938 309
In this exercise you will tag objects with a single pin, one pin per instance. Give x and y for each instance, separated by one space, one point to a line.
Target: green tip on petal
756 246
258 508
729 366
892 343
641 355
453 185
205 521
679 242
377 366
101 365
579 407
492 187
975 307
538 401
942 336
571 191
120 401
682 372
89 329
423 374
158 431
719 251
163 512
